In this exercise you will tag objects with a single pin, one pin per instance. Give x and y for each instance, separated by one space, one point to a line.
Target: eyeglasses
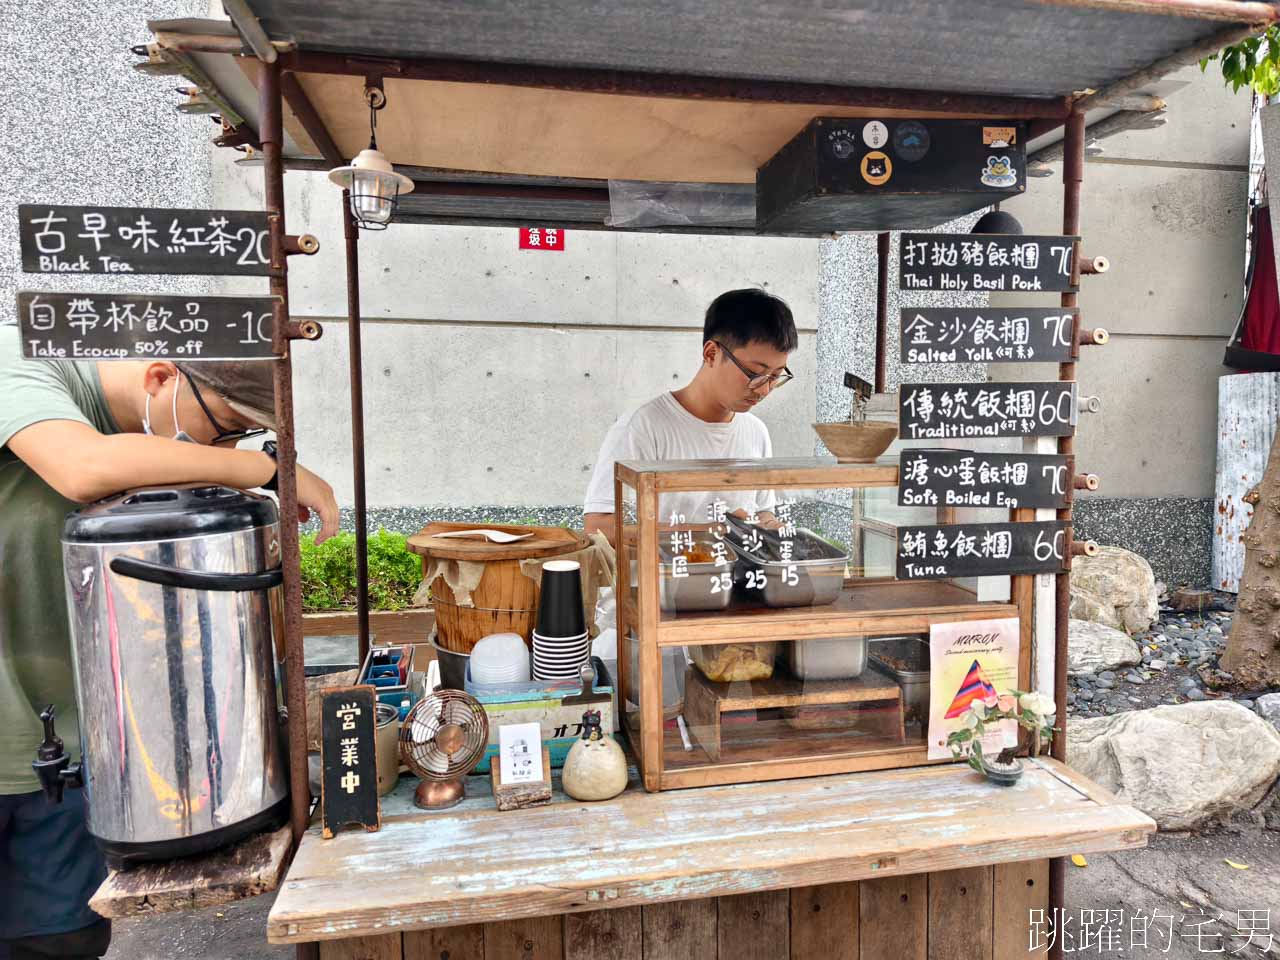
757 380
222 435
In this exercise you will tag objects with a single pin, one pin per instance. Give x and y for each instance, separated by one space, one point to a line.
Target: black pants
87 944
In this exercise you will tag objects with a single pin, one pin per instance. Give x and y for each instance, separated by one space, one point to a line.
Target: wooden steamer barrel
505 601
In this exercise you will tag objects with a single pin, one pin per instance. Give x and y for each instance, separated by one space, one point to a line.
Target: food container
906 660
813 577
735 662
693 592
839 658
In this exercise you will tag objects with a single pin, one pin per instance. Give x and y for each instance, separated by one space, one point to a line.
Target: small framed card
520 753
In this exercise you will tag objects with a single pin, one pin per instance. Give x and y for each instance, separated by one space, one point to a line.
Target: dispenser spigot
52 766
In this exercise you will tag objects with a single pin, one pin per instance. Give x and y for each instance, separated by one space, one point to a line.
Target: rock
1195 693
1120 580
1104 684
1107 675
1094 645
1184 765
1268 708
1134 678
1247 704
1086 606
1158 664
1085 695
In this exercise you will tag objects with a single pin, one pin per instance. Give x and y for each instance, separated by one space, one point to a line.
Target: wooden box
688 729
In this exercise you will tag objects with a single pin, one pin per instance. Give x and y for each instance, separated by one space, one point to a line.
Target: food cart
773 852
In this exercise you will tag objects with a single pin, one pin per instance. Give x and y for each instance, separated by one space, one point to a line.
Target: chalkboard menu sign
937 411
995 335
971 262
348 763
963 478
63 239
981 549
100 326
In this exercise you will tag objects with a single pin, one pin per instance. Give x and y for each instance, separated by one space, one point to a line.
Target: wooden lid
545 542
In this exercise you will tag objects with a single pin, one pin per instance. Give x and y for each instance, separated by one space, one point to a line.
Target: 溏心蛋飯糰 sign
977 262
986 335
124 326
942 551
963 478
348 760
942 411
121 240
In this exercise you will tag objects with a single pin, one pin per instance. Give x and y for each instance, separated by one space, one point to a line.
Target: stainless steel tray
837 658
913 651
694 591
795 583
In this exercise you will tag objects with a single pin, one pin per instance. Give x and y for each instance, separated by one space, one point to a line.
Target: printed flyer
976 660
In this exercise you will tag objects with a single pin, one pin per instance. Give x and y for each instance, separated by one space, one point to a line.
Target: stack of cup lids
561 643
499 658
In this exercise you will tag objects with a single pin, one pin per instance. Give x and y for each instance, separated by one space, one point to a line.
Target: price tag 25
721 582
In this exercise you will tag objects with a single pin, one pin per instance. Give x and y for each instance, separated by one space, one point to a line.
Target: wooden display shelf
877 607
472 865
706 703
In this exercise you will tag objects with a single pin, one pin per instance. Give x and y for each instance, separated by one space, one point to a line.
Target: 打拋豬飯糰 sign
975 262
943 411
942 551
124 326
964 478
986 335
123 240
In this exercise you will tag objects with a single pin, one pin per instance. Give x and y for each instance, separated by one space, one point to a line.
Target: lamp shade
374 187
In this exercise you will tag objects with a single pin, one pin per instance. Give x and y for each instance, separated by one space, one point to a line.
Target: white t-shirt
664 430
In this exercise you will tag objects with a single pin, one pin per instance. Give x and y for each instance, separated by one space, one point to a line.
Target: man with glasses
746 338
72 433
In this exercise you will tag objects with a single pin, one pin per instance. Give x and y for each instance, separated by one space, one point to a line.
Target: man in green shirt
72 433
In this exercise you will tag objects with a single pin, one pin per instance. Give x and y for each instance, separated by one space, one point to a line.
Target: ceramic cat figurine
596 768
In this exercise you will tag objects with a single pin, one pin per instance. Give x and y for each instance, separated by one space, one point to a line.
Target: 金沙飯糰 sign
124 326
121 240
942 551
967 263
963 478
941 411
986 335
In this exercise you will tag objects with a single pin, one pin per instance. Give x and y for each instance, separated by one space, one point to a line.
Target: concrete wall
491 374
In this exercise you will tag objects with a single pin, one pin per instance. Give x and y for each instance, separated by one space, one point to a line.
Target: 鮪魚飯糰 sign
943 551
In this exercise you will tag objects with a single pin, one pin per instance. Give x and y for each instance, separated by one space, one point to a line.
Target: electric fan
441 740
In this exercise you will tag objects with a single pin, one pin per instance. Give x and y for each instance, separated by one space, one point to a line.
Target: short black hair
741 317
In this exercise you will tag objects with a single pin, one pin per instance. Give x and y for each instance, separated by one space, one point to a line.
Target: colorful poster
975 661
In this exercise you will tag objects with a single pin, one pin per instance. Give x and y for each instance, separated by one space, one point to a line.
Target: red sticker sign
541 238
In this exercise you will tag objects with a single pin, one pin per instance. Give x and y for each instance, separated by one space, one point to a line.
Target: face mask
182 436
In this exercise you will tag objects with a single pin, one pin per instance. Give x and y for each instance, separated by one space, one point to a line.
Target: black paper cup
560 611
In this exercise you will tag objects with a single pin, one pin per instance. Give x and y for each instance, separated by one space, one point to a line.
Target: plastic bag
643 203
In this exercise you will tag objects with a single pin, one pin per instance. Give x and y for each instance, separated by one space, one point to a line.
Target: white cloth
664 430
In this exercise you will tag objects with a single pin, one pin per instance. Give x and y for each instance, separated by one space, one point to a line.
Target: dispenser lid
168 513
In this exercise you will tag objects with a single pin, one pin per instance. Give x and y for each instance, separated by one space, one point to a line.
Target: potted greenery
1033 712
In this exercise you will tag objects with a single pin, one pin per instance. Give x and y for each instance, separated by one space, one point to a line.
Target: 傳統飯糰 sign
942 551
124 326
986 335
963 478
974 262
121 240
941 411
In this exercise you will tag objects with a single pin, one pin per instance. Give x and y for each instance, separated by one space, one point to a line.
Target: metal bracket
1084 548
1094 265
1096 337
305 244
1086 481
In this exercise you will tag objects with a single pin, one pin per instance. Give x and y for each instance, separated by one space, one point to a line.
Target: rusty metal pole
286 453
352 234
1072 176
882 310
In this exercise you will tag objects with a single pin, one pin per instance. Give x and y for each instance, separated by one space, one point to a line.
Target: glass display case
762 634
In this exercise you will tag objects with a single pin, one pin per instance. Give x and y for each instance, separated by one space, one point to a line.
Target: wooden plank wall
980 913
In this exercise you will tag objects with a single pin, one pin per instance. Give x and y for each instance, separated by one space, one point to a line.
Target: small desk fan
441 740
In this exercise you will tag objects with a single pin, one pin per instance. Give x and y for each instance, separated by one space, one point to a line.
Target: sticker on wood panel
942 551
67 239
967 262
962 478
938 411
986 335
126 326
348 761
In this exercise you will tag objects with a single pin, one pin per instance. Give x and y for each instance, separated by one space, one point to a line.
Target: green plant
1251 63
329 572
1032 711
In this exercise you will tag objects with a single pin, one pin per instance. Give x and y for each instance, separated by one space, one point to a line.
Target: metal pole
882 310
287 481
1072 176
352 234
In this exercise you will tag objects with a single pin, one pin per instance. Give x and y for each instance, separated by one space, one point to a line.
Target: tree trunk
1253 648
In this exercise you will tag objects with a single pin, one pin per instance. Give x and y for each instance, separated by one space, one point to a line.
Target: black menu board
986 335
982 263
348 762
938 411
964 478
940 551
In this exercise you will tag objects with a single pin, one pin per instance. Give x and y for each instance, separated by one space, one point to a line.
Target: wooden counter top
473 864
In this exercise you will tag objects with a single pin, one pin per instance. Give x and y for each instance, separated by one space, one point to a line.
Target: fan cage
418 734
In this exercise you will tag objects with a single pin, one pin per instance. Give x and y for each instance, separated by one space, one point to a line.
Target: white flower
978 709
1038 704
971 720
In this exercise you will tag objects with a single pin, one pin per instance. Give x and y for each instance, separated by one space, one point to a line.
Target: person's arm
84 465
